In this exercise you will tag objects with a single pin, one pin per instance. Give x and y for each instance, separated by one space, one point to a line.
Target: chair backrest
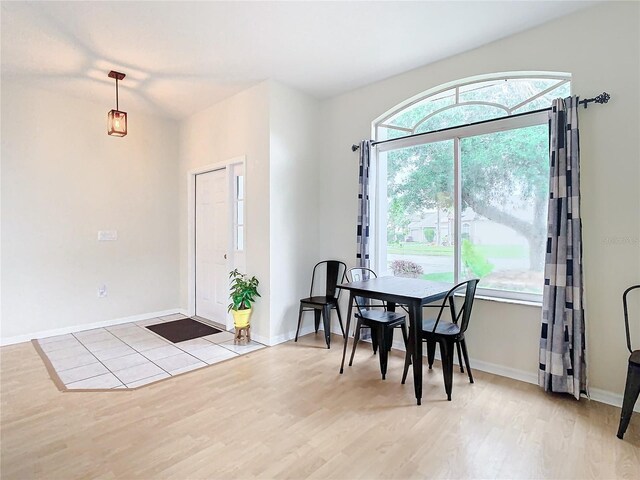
358 274
461 313
626 315
334 275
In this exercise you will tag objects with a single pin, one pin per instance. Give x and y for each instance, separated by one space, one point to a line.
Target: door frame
191 224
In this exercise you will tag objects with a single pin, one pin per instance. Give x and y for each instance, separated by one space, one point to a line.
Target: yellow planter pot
241 317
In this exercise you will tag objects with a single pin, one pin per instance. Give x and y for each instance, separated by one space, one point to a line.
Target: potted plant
244 291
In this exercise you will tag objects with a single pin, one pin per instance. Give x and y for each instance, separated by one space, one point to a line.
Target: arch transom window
468 197
473 102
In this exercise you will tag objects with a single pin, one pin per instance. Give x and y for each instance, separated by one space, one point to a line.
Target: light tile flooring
130 355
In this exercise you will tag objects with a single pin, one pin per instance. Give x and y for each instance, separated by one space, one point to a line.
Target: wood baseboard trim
86 326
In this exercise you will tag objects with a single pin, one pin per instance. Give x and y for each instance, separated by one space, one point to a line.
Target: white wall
63 179
237 126
294 205
600 47
274 126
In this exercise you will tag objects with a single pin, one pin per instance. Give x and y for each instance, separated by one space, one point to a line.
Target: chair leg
383 350
299 322
388 341
374 340
631 391
446 352
344 335
316 314
459 357
356 339
326 317
466 360
407 355
431 352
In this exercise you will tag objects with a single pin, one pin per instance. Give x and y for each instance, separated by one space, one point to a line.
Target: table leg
415 327
346 337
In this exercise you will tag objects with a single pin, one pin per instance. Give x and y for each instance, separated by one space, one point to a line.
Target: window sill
515 301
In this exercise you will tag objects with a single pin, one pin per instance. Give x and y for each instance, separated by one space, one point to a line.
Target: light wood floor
285 412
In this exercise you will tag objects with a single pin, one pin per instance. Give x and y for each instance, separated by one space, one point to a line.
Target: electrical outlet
102 291
107 235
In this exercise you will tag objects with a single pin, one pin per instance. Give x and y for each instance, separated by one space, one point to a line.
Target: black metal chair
632 388
327 300
381 321
447 334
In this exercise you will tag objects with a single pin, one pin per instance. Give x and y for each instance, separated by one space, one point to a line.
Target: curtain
562 340
362 234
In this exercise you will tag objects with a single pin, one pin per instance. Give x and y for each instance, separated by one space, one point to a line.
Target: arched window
473 100
480 165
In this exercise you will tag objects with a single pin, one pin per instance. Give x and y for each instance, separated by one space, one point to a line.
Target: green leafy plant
474 260
244 291
429 234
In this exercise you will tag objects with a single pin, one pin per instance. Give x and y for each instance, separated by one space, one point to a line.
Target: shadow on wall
71 64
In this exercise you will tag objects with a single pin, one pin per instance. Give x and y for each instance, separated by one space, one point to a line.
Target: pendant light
117 120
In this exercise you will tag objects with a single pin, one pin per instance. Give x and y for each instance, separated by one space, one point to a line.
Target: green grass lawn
490 251
439 277
419 249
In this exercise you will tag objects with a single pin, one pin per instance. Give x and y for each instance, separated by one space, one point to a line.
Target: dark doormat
182 330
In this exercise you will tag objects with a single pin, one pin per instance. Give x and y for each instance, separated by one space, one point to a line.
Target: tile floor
130 355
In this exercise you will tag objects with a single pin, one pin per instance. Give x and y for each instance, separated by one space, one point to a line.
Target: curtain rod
602 98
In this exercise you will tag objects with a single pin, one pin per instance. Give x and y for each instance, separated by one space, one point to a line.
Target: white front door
212 239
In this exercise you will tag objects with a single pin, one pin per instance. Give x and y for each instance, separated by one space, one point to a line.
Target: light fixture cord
117 108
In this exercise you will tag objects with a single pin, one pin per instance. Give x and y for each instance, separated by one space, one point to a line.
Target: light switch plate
107 235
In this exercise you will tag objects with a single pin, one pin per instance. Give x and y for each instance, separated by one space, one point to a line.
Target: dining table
413 294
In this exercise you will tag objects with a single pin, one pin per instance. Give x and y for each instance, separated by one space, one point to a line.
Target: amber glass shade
117 123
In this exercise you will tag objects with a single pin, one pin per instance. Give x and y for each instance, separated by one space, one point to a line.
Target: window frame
238 222
457 85
379 174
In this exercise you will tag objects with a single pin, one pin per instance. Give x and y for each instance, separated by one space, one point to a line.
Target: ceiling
181 57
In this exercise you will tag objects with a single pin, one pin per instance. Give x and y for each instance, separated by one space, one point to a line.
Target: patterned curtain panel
562 340
362 252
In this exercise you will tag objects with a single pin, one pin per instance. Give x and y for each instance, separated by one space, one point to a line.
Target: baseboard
87 326
595 394
495 369
604 396
285 337
270 341
260 339
503 371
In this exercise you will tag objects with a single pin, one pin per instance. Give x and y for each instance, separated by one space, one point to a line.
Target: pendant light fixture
117 120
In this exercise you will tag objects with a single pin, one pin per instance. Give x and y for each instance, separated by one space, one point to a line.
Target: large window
468 201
